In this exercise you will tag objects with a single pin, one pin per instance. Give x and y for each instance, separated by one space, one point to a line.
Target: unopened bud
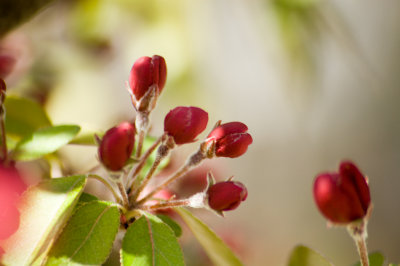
231 139
184 124
342 197
147 71
226 196
116 146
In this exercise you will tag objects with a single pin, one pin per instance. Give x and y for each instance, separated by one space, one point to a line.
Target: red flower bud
231 139
342 197
117 145
226 196
184 124
11 187
147 71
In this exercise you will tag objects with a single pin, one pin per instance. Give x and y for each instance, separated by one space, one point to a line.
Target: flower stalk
358 231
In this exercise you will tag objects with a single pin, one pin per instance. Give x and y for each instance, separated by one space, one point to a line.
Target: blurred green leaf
24 116
88 237
171 223
375 259
302 255
149 241
219 253
86 138
45 208
15 12
44 141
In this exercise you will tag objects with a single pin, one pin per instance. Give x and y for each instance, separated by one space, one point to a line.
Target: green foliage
85 198
171 223
375 259
44 141
45 208
24 116
88 237
219 253
149 241
302 255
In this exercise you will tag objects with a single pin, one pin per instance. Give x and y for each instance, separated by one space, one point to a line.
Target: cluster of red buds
124 160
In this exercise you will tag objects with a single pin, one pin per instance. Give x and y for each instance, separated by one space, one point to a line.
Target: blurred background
315 81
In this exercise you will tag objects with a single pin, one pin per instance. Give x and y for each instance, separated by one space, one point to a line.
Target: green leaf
302 255
149 241
44 141
45 208
86 138
171 223
219 253
85 198
375 259
24 116
88 237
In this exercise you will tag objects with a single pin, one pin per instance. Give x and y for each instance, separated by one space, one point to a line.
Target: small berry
226 196
147 71
231 139
116 146
184 124
342 197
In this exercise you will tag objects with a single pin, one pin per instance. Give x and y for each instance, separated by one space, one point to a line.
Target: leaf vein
90 232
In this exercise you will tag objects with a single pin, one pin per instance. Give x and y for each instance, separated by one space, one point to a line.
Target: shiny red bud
231 139
184 124
147 71
226 196
342 197
116 146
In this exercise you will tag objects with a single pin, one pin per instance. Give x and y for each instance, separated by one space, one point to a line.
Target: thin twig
165 205
140 143
362 251
183 170
132 176
147 178
108 185
123 194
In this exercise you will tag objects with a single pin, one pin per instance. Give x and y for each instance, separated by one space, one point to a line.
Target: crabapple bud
11 187
226 196
116 146
147 71
342 197
184 124
231 139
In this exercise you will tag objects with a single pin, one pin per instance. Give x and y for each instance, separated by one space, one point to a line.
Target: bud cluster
120 149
